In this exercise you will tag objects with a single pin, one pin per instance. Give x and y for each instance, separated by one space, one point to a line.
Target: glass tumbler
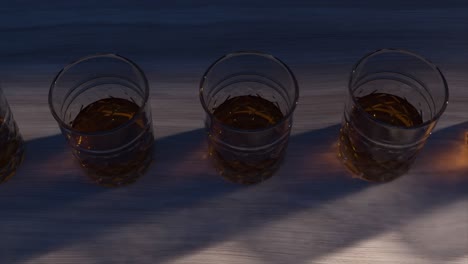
395 100
11 142
101 105
249 99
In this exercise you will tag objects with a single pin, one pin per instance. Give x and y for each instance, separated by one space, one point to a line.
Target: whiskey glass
395 99
11 142
249 99
101 105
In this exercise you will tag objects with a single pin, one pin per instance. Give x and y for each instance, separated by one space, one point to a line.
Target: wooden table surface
311 211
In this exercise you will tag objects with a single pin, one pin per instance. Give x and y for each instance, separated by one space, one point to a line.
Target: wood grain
311 211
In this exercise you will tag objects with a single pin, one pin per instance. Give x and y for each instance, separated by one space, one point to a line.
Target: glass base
120 179
372 173
246 173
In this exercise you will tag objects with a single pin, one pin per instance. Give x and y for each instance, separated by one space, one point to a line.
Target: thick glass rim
90 57
412 54
255 53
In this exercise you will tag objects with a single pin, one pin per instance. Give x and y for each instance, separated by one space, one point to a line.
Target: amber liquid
246 113
11 148
365 158
133 140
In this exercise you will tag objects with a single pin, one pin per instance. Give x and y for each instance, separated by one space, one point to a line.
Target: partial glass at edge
395 100
101 105
11 142
249 99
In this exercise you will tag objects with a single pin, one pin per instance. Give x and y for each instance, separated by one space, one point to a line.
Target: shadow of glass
444 166
445 156
46 182
47 178
51 203
414 208
183 204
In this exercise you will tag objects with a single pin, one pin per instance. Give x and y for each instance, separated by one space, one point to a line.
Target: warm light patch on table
458 157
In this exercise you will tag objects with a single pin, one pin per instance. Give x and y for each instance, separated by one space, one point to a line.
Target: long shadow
46 182
50 204
443 166
411 207
181 206
43 205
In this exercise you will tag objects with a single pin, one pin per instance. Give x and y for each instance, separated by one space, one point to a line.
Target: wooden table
311 211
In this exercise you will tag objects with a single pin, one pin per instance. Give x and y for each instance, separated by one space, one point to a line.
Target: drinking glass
11 142
395 100
249 99
101 105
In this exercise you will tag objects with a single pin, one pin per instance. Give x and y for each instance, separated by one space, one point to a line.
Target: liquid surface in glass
104 115
248 112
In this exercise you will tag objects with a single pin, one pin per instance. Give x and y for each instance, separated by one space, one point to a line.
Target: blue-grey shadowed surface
311 211
174 36
186 207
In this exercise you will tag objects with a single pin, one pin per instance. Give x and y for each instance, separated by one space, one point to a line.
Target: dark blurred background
174 37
